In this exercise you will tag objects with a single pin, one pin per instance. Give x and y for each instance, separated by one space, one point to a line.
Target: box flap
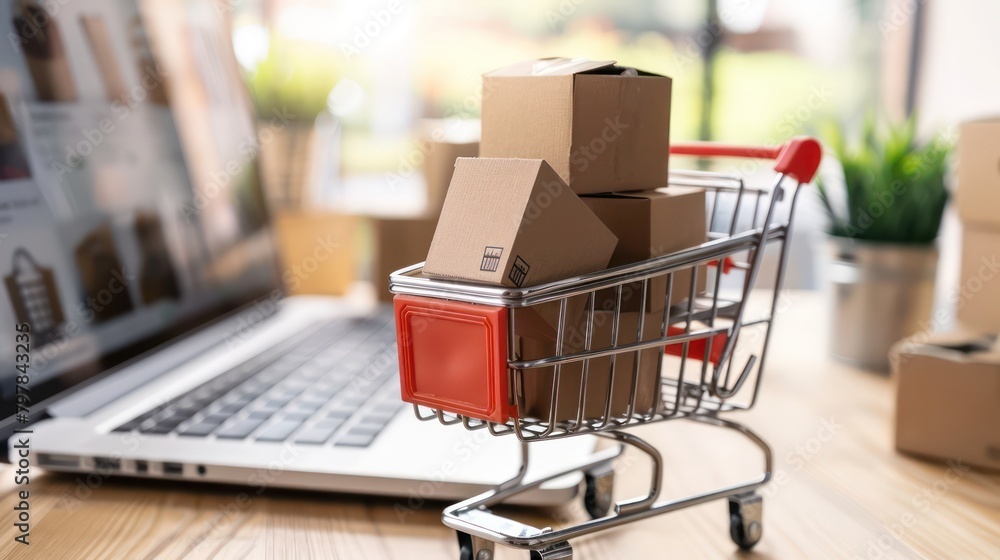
954 347
551 67
637 195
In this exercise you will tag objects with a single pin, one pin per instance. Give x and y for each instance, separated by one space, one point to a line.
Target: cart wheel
559 551
473 548
745 520
600 484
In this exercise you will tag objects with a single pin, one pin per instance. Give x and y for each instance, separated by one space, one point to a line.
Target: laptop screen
130 209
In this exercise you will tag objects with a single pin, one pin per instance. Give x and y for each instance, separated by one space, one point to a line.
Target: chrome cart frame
742 222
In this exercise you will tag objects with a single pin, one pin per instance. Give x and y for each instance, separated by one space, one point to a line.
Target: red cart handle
798 158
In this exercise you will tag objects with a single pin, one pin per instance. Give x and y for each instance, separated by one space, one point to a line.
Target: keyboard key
366 429
279 430
293 415
263 413
305 406
217 418
352 439
305 371
338 411
320 433
239 429
231 409
199 429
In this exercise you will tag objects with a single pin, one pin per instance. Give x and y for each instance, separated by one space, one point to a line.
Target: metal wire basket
615 361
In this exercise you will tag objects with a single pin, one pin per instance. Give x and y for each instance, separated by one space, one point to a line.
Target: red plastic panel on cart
696 348
453 356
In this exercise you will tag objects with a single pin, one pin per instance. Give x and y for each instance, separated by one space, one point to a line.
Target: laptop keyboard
332 384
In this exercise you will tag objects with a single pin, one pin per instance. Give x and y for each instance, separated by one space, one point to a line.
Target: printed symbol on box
518 271
491 259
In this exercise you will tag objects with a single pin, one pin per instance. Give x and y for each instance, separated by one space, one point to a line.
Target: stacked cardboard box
948 384
400 241
978 199
571 157
948 398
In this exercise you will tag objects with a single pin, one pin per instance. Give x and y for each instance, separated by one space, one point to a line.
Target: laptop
148 333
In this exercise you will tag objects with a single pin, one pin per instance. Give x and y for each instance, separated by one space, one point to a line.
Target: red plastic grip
798 158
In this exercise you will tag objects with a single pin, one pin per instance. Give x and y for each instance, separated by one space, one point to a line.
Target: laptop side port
141 467
175 469
56 461
107 464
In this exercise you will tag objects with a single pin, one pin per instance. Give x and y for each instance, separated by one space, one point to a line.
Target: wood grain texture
840 491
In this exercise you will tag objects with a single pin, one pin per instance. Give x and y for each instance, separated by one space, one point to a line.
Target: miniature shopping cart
706 347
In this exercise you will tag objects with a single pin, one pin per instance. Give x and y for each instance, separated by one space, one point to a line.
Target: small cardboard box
318 250
948 398
399 242
651 224
979 293
978 195
443 141
602 127
537 340
514 222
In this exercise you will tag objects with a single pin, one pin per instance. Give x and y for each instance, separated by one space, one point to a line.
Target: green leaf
894 187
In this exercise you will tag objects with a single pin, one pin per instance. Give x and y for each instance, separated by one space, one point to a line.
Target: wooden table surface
840 491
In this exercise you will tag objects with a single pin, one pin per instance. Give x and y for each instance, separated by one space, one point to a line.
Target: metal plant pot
883 292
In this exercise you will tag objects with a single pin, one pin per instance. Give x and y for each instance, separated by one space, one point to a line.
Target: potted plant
885 212
290 87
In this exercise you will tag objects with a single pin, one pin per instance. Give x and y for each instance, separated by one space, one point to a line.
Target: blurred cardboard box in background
602 128
979 291
978 195
948 398
978 201
444 141
318 250
398 242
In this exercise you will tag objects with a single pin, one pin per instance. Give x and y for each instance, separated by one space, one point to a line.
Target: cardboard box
444 141
948 398
602 127
536 342
979 293
399 242
514 222
651 224
978 194
318 251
